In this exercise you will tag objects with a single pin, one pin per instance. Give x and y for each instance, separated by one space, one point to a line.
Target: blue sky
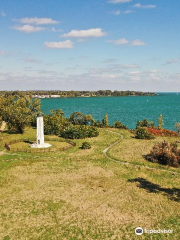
90 45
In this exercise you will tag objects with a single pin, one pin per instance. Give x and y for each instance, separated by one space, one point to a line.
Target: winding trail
112 144
127 163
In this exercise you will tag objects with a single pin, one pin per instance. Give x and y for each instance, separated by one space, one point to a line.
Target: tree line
99 93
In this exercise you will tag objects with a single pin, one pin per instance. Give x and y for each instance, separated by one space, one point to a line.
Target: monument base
44 145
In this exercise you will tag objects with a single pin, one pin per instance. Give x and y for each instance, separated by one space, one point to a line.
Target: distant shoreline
96 96
63 94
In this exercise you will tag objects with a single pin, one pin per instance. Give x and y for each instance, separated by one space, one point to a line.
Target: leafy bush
86 145
165 153
98 124
92 132
119 124
144 123
79 132
142 133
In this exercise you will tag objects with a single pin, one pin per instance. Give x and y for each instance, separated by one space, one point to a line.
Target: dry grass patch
63 198
67 198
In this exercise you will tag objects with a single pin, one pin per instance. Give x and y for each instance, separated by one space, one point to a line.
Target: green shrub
165 153
98 124
79 132
119 124
142 133
86 145
144 123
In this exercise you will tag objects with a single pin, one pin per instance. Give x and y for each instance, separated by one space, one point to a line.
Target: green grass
80 194
25 145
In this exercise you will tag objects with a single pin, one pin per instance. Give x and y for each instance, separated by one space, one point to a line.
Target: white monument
40 134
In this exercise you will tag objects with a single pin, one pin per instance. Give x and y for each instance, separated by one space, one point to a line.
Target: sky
90 45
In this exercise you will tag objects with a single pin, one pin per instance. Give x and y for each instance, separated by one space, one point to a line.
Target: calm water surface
128 110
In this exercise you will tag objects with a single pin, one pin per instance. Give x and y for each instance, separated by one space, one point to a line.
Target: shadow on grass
27 141
11 132
172 193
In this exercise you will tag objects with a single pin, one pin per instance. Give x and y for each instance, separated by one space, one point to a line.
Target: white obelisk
40 130
40 134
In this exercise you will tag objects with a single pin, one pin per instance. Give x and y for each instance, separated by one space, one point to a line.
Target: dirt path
3 126
106 149
127 163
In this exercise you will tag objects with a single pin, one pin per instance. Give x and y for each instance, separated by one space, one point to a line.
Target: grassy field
81 194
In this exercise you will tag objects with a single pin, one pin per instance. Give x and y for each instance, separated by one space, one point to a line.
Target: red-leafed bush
162 132
165 153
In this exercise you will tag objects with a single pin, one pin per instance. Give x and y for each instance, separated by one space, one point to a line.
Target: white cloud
129 66
56 30
28 28
116 12
138 42
37 21
119 42
128 11
172 61
3 14
119 1
155 71
60 45
135 73
94 32
138 5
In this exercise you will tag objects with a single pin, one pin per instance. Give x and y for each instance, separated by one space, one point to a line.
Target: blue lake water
128 109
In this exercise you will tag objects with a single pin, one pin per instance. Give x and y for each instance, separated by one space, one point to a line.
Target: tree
119 124
18 113
105 121
160 121
97 124
144 123
77 118
88 120
54 122
35 108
